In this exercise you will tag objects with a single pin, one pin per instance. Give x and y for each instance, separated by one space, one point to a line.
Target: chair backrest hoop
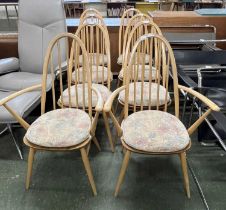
168 67
54 47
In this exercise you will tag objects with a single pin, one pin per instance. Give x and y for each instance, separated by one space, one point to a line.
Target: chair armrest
100 103
201 97
108 103
9 65
212 107
18 93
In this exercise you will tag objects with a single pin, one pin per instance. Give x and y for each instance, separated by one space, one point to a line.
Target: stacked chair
82 90
123 25
94 34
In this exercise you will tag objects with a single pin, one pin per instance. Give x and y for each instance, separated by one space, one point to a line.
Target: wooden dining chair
142 27
129 27
150 65
129 13
62 128
94 19
154 131
96 41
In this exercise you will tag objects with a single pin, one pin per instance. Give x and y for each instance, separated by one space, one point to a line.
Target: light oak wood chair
142 27
129 13
150 66
129 27
92 20
96 41
62 129
155 132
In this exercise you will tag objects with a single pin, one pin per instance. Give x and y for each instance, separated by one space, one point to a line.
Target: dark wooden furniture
191 18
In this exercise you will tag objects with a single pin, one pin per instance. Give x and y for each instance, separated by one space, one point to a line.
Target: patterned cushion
119 61
104 91
96 78
60 128
102 59
154 86
155 131
139 75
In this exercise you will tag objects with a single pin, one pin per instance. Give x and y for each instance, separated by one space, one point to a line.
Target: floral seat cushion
155 131
104 91
163 95
99 74
60 128
139 73
103 59
120 58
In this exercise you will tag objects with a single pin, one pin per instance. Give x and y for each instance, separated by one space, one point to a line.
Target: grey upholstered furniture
39 21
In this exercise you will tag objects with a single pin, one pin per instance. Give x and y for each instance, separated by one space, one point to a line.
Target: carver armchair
155 131
62 128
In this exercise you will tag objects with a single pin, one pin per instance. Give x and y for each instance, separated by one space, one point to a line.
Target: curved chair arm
18 93
108 108
100 103
212 107
8 65
109 102
3 102
201 97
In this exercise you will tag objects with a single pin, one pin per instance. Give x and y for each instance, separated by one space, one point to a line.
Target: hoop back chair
123 24
96 40
62 129
131 23
149 131
141 28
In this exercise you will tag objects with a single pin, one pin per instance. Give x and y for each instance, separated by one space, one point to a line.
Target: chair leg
88 170
30 165
185 173
88 148
15 141
96 143
108 131
122 171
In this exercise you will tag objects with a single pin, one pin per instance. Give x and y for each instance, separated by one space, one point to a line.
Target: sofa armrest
9 65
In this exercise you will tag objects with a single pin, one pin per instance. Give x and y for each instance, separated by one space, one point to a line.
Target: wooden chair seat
60 128
145 101
104 91
99 74
157 132
139 74
94 57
